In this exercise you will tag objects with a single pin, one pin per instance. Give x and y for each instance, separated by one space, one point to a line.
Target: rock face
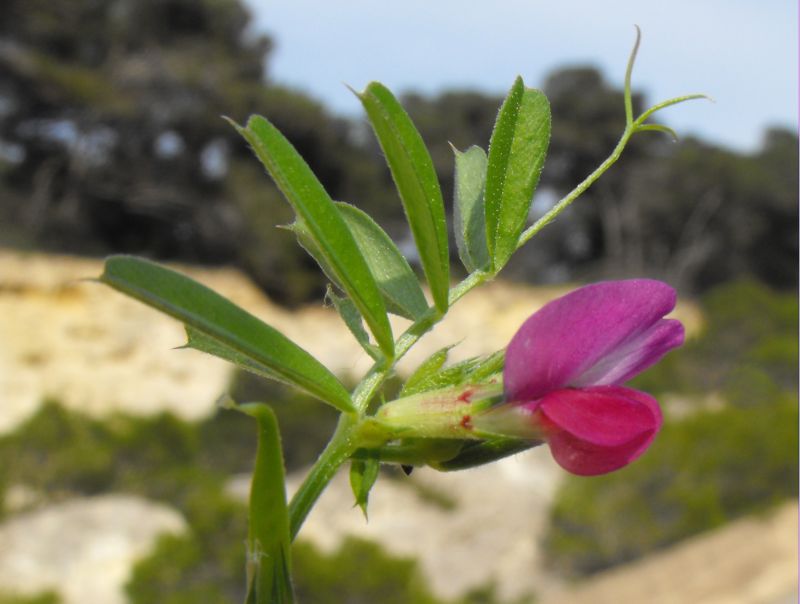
83 549
91 349
751 561
467 529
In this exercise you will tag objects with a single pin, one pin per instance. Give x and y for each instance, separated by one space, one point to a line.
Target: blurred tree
111 141
707 215
113 108
111 138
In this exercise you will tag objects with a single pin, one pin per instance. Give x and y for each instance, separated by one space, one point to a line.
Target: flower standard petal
572 334
598 429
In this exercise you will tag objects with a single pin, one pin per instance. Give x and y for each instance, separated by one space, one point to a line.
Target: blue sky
741 52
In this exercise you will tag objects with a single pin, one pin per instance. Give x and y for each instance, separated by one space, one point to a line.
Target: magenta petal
633 357
566 338
600 429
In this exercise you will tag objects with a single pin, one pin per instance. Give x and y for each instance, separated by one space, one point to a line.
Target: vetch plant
559 381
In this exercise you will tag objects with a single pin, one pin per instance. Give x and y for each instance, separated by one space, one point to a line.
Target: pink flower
564 367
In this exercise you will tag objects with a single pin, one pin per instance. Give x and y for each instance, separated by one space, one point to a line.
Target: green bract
269 573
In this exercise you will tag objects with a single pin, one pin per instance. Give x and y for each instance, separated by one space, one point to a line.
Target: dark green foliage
359 573
712 466
45 598
59 453
189 569
126 74
206 565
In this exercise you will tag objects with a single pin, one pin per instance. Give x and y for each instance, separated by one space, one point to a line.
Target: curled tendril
638 125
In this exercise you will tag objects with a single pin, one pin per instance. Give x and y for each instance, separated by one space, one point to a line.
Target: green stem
628 73
669 103
343 443
338 450
577 191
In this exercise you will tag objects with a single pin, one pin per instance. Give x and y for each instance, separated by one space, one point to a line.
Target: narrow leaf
432 375
352 319
268 539
325 225
216 325
516 155
469 219
363 474
488 366
396 281
204 343
415 178
417 381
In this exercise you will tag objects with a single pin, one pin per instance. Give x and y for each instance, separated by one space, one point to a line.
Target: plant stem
577 191
342 443
337 451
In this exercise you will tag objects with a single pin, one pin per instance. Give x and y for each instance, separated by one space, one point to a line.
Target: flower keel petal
599 429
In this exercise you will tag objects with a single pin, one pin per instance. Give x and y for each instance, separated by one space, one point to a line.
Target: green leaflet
324 224
469 219
204 343
415 178
516 155
268 540
396 281
216 325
